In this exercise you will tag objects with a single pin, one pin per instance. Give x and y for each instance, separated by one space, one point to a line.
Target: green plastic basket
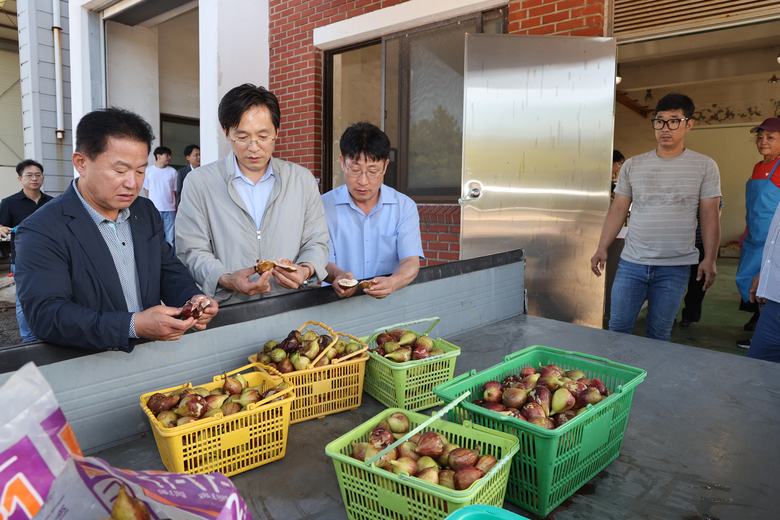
409 385
377 494
484 513
552 464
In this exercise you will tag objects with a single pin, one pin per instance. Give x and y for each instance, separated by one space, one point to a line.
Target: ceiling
9 34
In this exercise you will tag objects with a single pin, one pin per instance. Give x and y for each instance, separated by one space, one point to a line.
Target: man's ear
79 162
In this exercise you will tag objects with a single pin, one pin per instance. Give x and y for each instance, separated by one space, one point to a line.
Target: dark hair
190 148
26 164
162 150
617 156
364 139
676 101
240 99
96 127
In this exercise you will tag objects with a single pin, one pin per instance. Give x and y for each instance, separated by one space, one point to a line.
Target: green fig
277 355
390 346
340 346
407 339
400 355
128 508
310 335
242 380
269 346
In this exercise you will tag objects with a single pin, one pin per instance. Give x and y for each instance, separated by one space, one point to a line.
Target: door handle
473 193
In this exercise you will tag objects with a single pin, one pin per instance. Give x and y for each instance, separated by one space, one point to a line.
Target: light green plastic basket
371 493
552 464
410 384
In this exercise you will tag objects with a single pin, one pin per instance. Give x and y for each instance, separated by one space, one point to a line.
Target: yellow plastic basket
230 444
329 389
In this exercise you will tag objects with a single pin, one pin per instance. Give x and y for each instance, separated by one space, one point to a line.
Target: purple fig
590 395
550 383
527 371
192 405
485 463
424 342
380 438
430 445
493 394
446 478
532 409
574 387
596 383
514 397
216 401
359 450
462 457
429 475
563 417
465 477
231 386
529 382
383 338
551 371
495 407
542 396
285 366
562 400
544 422
420 353
230 408
408 449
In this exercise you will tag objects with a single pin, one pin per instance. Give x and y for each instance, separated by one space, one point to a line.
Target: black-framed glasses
244 142
671 124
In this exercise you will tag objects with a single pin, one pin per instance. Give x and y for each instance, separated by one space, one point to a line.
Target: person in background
93 264
13 210
251 206
762 196
192 154
160 188
617 162
374 230
694 297
667 186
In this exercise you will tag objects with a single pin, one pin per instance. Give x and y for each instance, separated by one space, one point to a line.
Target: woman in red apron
762 195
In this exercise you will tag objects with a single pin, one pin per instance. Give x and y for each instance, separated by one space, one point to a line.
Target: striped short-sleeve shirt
665 194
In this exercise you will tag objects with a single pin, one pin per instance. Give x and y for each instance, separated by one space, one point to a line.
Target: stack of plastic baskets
484 513
552 464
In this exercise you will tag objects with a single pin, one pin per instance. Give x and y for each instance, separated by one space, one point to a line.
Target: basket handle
334 335
408 435
602 360
354 354
406 323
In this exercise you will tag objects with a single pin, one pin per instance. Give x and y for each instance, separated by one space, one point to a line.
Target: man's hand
598 262
382 288
754 290
239 281
709 271
344 292
292 279
208 313
158 323
5 232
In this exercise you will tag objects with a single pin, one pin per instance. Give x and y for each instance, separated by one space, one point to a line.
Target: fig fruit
404 464
429 475
542 396
128 508
425 342
527 371
398 422
465 477
462 457
446 478
562 400
430 445
514 397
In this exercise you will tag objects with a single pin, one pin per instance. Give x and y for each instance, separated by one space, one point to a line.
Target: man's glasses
32 176
244 142
371 173
671 124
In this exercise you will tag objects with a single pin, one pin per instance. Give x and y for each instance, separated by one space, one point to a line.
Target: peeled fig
574 387
551 371
544 422
465 477
128 508
446 478
359 450
366 284
528 371
514 397
444 458
492 394
575 374
400 355
398 422
425 342
429 475
285 366
407 449
407 339
216 401
167 419
192 405
549 382
590 395
230 408
263 266
562 400
542 396
390 346
195 307
404 464
380 438
462 457
427 462
485 463
532 409
602 388
420 353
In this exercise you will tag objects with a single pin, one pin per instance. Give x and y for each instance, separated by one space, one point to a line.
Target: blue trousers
24 329
765 343
662 286
168 218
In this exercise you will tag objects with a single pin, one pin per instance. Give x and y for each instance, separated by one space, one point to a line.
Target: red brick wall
296 79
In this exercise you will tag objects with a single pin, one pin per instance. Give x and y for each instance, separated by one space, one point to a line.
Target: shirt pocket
386 255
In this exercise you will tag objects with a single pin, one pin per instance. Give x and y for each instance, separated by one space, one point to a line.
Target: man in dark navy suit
93 264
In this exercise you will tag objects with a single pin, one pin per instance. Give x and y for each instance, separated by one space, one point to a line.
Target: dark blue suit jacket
67 283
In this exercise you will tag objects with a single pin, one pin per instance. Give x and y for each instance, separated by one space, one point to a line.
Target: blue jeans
24 329
168 218
662 286
765 343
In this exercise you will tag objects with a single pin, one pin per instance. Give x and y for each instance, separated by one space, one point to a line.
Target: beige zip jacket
216 235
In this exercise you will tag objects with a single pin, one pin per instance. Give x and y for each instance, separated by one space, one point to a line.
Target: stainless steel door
537 146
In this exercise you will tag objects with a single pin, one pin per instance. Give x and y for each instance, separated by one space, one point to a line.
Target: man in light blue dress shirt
765 289
374 230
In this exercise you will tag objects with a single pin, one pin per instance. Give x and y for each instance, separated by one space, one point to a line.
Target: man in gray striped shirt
667 186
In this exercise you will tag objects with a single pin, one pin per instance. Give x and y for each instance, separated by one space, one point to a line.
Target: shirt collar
238 175
96 217
386 196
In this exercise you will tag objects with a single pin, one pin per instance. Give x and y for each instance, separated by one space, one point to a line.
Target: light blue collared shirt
119 238
255 196
372 245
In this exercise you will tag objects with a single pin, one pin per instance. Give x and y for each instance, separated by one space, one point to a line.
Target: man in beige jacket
251 206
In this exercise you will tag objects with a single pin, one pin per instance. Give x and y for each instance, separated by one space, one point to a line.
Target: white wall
11 140
179 69
132 72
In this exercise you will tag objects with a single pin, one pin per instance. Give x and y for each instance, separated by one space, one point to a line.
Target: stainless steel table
701 441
